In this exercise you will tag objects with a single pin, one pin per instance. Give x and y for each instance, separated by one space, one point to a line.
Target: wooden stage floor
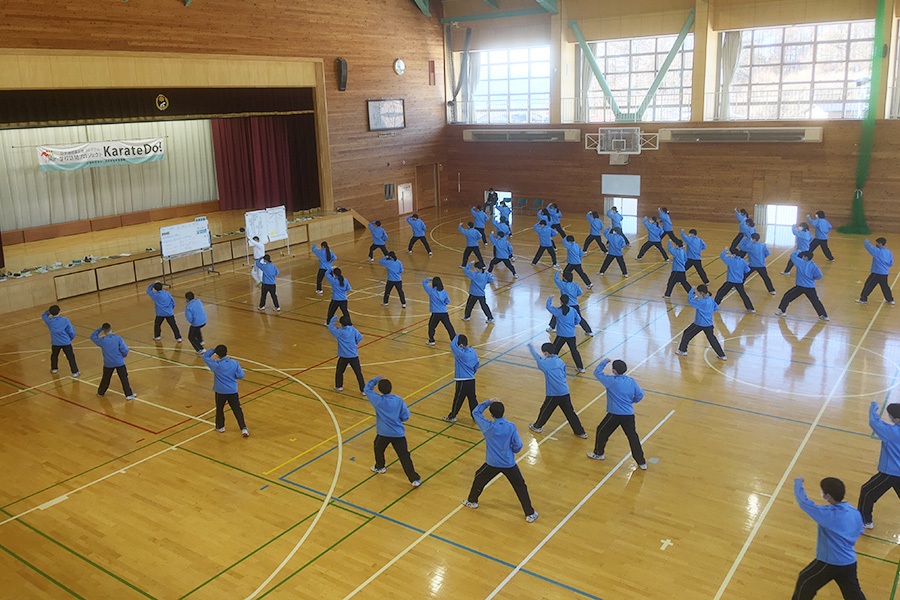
111 499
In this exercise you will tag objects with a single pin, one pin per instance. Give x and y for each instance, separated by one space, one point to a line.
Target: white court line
136 399
572 512
62 497
790 467
34 387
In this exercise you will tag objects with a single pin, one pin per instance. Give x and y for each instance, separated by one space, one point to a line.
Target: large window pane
518 71
541 69
518 56
499 71
834 51
518 86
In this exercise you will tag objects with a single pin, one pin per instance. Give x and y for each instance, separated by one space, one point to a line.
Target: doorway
427 186
405 198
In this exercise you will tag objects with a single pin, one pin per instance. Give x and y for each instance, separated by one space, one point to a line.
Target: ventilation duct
737 135
521 135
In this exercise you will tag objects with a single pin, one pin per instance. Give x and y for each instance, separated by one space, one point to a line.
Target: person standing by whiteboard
259 250
269 272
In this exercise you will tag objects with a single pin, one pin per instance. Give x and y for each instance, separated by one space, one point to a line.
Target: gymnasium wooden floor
108 499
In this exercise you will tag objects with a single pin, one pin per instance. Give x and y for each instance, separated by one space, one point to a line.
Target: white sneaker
449 419
590 287
416 483
515 276
384 303
466 318
489 321
601 274
178 340
244 432
780 313
666 297
625 275
339 389
785 272
468 504
157 338
257 308
429 254
680 352
591 333
580 370
375 469
277 309
430 343
409 251
131 397
862 301
596 456
869 525
220 429
583 436
556 266
551 329
200 351
402 306
643 467
534 428
319 292
823 318
371 260
54 370
723 357
752 311
532 517
76 373
773 293
892 302
638 258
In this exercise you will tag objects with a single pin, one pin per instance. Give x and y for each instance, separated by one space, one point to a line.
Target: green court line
896 578
268 481
873 537
292 527
893 562
39 572
84 558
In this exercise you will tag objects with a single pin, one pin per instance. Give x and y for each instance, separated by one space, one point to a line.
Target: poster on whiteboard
621 185
270 224
185 238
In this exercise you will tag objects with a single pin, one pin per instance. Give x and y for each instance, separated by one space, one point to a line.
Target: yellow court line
314 447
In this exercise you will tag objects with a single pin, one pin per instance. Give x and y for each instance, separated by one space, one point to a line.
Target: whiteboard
270 225
185 238
621 185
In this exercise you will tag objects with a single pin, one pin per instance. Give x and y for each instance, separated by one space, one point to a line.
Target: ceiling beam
423 6
493 3
549 6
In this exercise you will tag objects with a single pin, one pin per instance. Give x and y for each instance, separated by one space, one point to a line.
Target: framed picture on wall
385 114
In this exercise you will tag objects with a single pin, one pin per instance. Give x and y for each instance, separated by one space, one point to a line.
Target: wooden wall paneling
75 284
47 232
298 234
16 236
239 248
745 14
18 293
220 253
184 263
161 214
114 275
136 218
147 268
102 223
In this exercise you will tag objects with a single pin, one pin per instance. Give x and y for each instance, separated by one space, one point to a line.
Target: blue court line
445 540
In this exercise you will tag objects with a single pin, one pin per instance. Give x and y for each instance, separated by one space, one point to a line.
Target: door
426 186
405 198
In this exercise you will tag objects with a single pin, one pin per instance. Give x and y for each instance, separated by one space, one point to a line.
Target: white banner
100 154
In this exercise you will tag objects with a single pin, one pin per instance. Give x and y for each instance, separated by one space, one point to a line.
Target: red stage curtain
265 161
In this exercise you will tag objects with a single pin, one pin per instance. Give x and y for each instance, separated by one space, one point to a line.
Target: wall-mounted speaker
341 74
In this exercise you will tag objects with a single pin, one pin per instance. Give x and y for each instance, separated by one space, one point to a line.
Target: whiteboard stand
211 268
288 242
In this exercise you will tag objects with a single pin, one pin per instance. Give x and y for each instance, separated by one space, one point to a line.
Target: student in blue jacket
704 306
556 390
756 253
570 289
437 304
505 211
615 221
678 274
734 278
502 442
226 372
165 310
390 414
574 254
622 393
418 233
822 227
654 238
114 352
616 242
804 284
466 364
693 246
481 218
545 242
747 228
339 288
326 263
394 269
566 320
379 239
503 251
596 234
666 221
888 475
480 279
804 239
348 339
62 334
882 261
839 526
269 272
555 221
196 318
473 236
741 215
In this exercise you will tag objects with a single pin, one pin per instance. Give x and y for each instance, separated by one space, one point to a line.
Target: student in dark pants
503 252
804 284
677 276
196 318
114 352
339 289
616 241
888 475
699 297
390 414
666 221
756 253
348 339
165 310
734 278
226 372
615 222
882 261
545 242
566 320
693 246
822 227
418 233
574 254
556 390
741 215
570 289
804 239
62 334
437 304
839 525
502 442
394 280
269 272
480 279
379 239
472 238
622 393
465 365
596 234
326 263
481 218
654 239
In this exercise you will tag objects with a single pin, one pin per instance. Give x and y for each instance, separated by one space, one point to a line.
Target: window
390 191
628 209
501 197
799 72
778 221
630 66
512 86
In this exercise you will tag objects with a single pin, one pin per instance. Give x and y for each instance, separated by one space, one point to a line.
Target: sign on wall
100 154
